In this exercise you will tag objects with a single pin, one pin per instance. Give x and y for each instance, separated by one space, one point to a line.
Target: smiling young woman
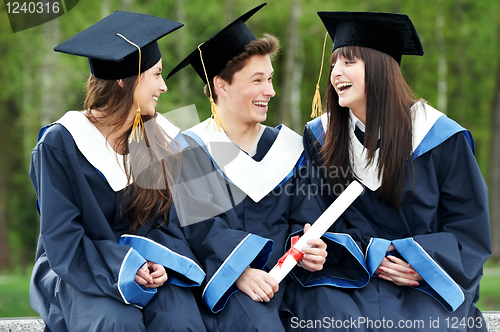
414 243
106 240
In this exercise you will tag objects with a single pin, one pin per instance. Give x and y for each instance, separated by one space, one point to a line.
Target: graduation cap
393 34
111 45
220 49
211 57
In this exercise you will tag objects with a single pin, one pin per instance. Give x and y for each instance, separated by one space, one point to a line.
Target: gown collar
425 118
255 178
97 150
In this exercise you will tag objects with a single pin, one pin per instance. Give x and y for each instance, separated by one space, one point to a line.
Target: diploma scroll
320 226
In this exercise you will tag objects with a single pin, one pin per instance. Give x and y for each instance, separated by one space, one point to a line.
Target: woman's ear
120 82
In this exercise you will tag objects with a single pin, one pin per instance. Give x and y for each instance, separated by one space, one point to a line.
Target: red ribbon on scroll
296 254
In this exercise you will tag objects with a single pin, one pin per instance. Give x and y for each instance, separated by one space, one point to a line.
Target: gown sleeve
212 228
450 257
75 237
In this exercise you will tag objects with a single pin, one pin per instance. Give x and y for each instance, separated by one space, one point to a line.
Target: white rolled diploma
320 226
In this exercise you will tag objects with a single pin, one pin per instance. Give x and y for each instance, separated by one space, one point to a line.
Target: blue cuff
253 251
375 253
130 291
437 283
347 242
159 254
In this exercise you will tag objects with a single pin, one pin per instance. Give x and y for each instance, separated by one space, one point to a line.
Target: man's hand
314 256
257 284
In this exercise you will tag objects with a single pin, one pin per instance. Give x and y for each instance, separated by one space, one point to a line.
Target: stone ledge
25 324
34 324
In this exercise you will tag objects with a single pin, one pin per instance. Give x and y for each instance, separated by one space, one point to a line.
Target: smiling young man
258 164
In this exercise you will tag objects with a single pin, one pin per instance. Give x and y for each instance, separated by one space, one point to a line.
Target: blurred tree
456 75
494 183
291 76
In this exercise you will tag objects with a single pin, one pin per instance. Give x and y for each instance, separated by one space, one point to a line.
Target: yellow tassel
316 105
138 123
218 122
137 132
317 110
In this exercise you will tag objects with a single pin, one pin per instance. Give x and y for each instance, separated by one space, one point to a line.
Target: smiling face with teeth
348 78
152 85
244 101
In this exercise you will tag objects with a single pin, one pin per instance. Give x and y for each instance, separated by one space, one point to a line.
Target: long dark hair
114 102
388 109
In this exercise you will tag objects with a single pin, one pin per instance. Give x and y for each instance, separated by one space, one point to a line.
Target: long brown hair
388 109
143 203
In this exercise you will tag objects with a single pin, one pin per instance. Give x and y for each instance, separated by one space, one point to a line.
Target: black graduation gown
442 231
83 277
253 228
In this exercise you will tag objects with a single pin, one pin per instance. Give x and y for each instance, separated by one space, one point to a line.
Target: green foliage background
37 85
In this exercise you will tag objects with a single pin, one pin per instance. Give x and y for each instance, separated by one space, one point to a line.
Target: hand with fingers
257 284
151 275
158 273
314 256
398 271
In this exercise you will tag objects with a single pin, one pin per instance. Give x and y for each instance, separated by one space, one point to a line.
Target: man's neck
242 134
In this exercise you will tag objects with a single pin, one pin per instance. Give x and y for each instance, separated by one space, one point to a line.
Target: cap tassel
218 122
317 110
316 105
136 132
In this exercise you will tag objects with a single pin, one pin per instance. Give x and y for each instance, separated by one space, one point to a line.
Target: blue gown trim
317 129
442 129
347 242
179 142
160 254
437 283
201 143
375 253
130 291
253 251
42 131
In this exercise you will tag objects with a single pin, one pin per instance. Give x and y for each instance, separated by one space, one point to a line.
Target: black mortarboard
221 48
111 56
393 34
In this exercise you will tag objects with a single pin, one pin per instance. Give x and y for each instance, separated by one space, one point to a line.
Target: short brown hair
268 45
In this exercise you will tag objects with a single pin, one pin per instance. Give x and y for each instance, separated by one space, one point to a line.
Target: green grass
14 290
14 296
489 288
